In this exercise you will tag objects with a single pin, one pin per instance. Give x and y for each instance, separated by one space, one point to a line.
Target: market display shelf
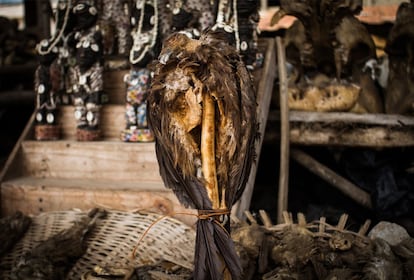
346 129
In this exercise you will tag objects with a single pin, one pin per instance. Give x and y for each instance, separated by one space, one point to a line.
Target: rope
202 215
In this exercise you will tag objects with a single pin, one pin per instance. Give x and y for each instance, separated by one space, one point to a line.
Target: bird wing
173 114
235 100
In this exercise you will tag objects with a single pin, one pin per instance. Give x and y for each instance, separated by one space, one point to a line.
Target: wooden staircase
42 176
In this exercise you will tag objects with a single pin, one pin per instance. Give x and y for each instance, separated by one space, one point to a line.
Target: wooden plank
352 118
265 78
34 196
345 118
346 129
106 160
374 137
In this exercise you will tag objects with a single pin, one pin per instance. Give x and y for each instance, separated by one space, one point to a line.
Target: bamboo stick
285 130
302 220
342 222
322 225
364 228
361 197
267 222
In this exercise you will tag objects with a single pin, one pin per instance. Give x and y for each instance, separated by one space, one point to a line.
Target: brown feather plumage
187 71
192 66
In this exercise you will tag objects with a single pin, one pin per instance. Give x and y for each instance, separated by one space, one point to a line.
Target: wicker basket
112 242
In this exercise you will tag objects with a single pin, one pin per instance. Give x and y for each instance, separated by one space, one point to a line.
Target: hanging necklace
144 41
56 39
236 25
177 7
223 15
227 19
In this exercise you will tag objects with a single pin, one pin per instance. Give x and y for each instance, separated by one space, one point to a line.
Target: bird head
175 45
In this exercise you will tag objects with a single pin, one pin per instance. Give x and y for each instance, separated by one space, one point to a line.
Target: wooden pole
359 196
283 192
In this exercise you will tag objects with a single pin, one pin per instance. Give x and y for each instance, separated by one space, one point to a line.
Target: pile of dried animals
301 250
318 250
332 60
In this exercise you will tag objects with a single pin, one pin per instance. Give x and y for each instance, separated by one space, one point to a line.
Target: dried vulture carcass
12 229
320 20
328 40
202 110
354 47
53 258
399 97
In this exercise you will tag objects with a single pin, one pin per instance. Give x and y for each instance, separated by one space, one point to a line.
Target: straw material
113 240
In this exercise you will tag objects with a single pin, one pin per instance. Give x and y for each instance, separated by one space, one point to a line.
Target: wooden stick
287 218
342 222
361 197
322 225
301 220
267 222
364 228
282 204
250 217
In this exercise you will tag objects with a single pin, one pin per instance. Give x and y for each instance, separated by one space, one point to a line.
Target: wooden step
112 121
35 195
102 160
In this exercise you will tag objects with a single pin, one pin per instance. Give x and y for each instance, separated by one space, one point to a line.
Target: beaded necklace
56 39
142 39
227 19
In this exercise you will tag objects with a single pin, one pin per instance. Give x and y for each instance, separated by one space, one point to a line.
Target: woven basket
112 241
